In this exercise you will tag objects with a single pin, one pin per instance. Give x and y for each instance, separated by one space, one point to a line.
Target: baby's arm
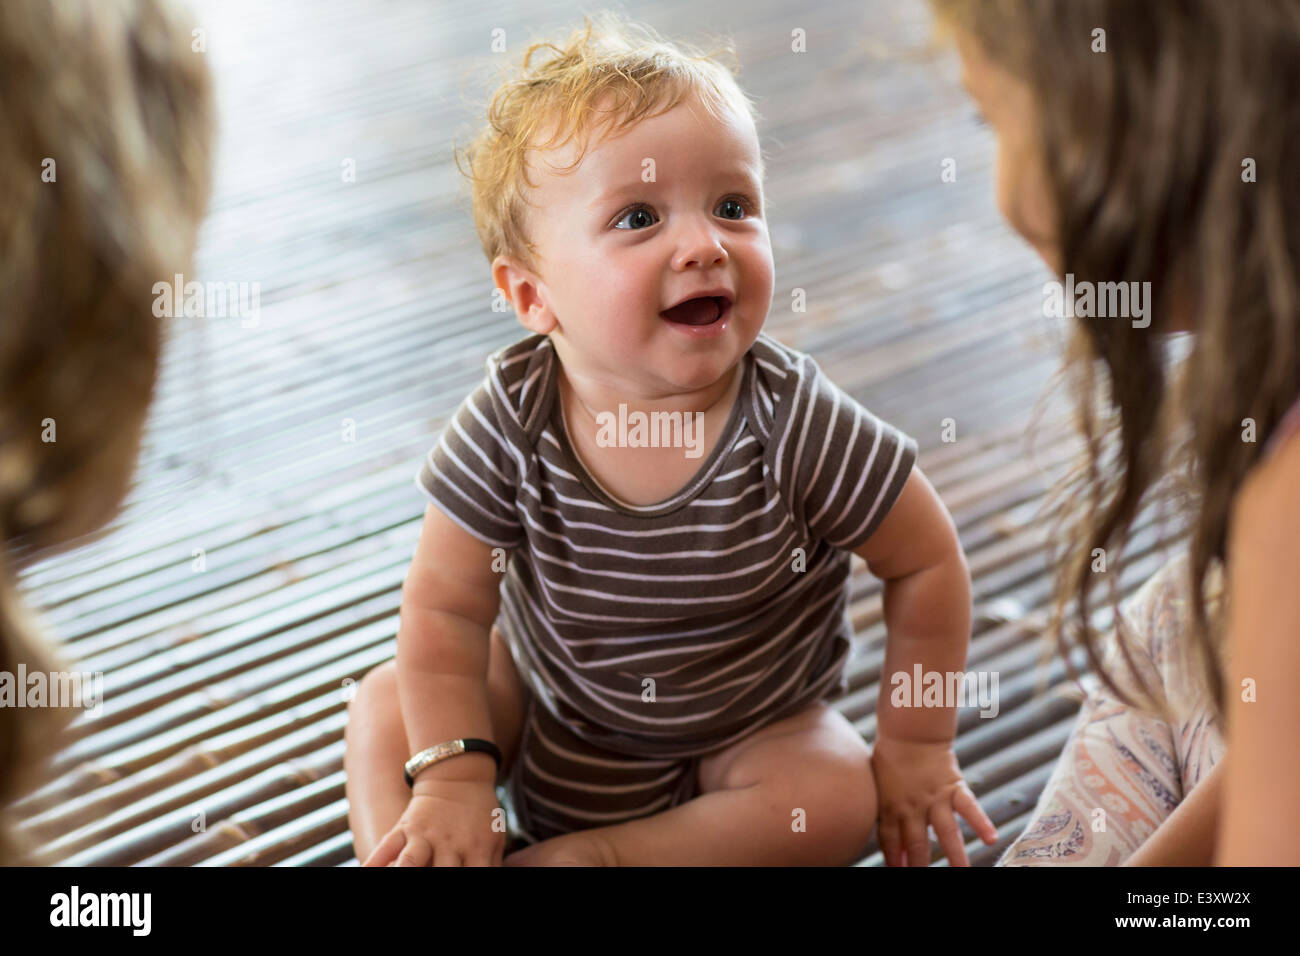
927 606
449 602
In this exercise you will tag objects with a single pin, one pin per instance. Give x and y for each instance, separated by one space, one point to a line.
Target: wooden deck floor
226 688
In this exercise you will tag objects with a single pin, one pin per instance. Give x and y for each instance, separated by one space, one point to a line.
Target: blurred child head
104 175
620 174
1155 142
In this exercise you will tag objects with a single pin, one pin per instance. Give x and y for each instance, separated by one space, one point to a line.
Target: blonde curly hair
606 77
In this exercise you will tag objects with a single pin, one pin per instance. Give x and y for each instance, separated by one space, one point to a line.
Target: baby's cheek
759 274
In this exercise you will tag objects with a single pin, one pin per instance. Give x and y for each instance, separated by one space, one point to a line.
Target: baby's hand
448 823
919 785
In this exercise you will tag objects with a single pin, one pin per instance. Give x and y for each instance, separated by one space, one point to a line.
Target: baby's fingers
917 839
949 835
964 802
446 857
386 852
891 841
416 853
481 857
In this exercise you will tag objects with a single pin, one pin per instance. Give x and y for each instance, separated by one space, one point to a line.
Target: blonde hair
562 91
104 176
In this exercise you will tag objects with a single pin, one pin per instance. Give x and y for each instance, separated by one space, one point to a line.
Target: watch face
426 757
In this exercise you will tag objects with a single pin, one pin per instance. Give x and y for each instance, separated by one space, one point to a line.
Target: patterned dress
1124 769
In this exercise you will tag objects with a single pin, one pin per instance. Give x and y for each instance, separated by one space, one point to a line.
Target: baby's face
668 210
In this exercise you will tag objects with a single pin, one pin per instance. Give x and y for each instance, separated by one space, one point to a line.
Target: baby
651 507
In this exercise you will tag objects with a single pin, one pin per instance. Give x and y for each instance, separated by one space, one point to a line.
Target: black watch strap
452 748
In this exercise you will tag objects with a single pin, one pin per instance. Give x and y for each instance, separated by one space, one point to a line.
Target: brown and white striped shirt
703 593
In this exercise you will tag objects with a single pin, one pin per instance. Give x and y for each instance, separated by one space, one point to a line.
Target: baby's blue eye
640 216
733 205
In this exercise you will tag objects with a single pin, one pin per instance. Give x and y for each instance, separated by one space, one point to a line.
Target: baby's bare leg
376 745
797 792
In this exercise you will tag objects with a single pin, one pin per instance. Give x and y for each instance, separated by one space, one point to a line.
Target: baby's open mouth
702 310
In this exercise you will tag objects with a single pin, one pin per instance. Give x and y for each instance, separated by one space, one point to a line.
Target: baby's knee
380 679
375 692
829 792
840 793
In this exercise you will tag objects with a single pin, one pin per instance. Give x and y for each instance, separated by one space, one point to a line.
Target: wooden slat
226 689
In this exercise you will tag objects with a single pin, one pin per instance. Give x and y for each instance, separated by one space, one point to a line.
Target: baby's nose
701 249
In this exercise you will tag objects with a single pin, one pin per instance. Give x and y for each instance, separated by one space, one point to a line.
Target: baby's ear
523 289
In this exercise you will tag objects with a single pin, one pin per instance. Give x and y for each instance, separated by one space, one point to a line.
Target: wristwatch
427 758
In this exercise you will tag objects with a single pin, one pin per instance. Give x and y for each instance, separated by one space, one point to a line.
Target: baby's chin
692 374
663 364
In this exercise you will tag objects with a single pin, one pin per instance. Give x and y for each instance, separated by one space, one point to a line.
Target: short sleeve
841 466
472 473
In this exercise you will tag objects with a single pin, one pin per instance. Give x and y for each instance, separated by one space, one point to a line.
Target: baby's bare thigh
816 742
812 773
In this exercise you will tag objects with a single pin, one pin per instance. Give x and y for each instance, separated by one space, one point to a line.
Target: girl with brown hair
1159 143
104 176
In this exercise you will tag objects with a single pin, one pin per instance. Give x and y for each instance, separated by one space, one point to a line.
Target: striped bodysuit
650 636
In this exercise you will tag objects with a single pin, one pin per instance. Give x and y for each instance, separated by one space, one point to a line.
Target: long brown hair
1173 158
104 175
